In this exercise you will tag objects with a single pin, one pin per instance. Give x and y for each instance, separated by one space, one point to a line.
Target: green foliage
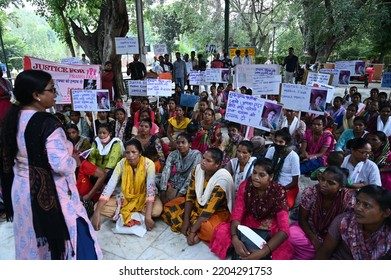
33 37
16 63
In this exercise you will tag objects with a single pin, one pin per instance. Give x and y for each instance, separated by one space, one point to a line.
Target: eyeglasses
52 90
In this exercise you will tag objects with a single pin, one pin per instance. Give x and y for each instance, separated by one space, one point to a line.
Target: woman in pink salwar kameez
260 203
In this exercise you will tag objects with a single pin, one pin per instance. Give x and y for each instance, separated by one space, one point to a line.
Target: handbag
265 234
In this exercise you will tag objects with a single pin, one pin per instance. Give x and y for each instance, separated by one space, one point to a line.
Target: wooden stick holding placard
247 132
93 124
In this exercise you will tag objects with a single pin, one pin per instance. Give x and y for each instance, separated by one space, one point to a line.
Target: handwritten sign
266 85
304 98
188 100
70 60
253 111
356 67
196 77
295 97
386 79
340 77
90 100
126 45
160 49
157 87
244 73
323 78
137 87
216 75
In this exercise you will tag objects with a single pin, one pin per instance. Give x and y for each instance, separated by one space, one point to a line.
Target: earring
39 99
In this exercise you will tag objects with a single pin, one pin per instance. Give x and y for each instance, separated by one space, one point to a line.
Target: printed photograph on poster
89 84
359 67
344 77
225 76
103 100
270 116
318 100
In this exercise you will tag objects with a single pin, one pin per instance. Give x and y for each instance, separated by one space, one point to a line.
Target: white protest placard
126 45
304 98
212 75
252 111
267 85
157 87
216 75
295 97
323 78
341 77
71 60
90 100
160 49
356 67
244 73
137 87
196 77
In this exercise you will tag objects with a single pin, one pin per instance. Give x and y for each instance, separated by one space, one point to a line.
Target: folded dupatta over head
221 178
134 189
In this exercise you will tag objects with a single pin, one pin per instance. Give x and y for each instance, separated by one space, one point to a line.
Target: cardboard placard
90 100
253 111
126 45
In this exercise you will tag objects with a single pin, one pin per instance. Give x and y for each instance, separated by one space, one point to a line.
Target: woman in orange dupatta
209 200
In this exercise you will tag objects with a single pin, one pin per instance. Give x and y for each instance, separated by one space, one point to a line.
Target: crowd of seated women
173 162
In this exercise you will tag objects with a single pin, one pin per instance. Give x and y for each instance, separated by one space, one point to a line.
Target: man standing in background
237 59
291 64
84 60
247 59
136 69
179 72
189 67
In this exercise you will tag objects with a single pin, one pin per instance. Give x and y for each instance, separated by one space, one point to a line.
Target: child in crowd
230 144
106 152
335 158
151 153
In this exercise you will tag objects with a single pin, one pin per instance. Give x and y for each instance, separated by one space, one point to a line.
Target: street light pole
4 54
226 26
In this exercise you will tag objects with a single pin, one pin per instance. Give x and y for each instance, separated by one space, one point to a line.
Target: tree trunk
324 53
116 24
381 58
68 36
99 45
